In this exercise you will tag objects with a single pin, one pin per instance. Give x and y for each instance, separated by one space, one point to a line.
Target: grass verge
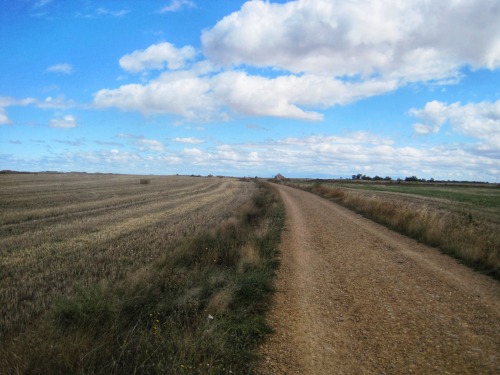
200 309
472 241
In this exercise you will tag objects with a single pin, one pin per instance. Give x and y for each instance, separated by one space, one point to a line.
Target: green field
477 195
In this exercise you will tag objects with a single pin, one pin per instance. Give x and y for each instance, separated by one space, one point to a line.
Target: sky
305 88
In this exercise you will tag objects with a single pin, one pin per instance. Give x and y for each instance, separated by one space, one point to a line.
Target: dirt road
355 298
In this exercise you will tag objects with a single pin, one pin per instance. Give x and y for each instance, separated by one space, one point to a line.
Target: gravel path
356 298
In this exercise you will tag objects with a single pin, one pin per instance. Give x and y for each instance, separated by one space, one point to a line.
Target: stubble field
59 232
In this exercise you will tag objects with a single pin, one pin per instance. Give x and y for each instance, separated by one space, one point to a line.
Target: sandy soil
356 298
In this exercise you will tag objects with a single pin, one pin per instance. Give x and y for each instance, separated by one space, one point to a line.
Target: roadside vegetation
463 220
195 303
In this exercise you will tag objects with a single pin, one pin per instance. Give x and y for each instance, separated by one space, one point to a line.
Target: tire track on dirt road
356 298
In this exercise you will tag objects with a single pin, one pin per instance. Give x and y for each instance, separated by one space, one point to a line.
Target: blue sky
309 88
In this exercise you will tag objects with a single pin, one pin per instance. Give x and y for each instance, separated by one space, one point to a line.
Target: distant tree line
360 176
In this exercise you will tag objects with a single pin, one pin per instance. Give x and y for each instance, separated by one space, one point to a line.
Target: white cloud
112 157
114 13
190 140
157 57
58 102
410 41
287 95
316 155
150 145
178 93
4 120
204 97
433 115
42 3
323 53
6 102
64 68
142 143
480 121
67 122
347 154
477 120
192 152
177 5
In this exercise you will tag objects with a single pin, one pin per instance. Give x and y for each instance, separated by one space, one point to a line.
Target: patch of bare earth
356 298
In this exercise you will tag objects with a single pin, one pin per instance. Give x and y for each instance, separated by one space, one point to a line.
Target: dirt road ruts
356 298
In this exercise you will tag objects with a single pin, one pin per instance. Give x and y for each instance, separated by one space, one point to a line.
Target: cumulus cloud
157 57
322 53
178 93
66 122
177 5
193 96
411 40
433 116
64 68
476 120
288 95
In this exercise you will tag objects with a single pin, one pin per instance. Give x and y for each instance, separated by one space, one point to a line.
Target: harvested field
61 231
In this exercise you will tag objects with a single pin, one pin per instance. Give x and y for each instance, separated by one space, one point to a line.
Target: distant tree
411 179
377 178
388 178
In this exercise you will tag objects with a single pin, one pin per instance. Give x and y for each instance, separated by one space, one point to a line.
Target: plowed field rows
58 231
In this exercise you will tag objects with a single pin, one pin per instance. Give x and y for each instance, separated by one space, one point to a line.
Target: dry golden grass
58 231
